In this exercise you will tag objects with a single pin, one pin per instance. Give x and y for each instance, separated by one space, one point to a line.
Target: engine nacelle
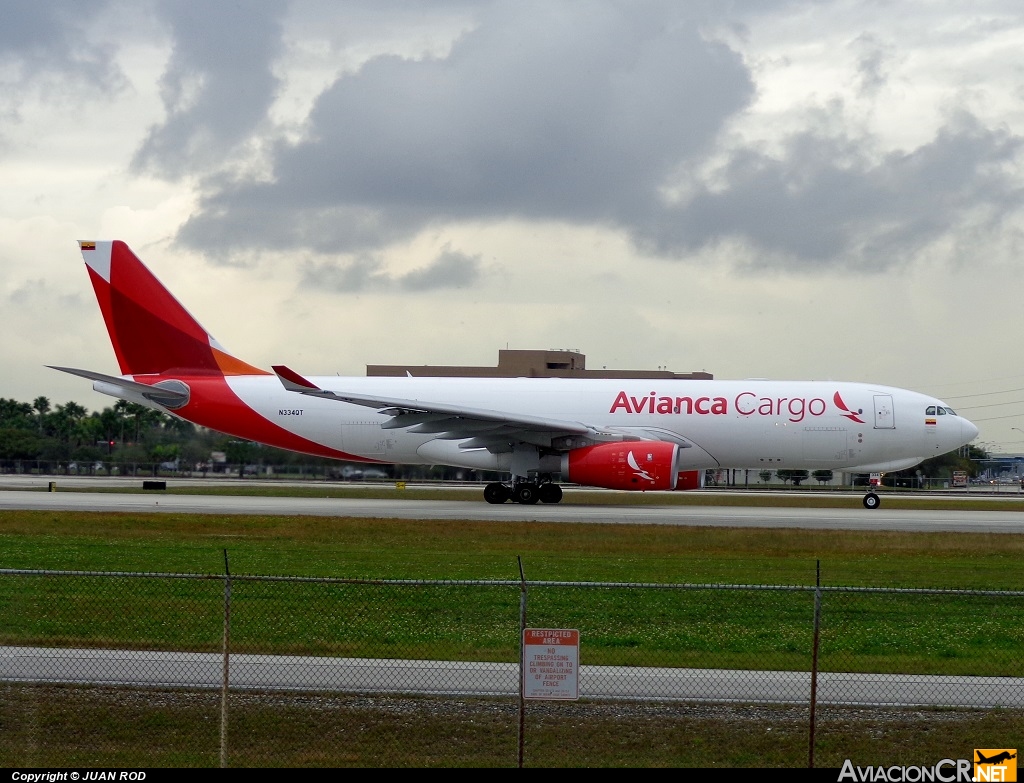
690 479
635 465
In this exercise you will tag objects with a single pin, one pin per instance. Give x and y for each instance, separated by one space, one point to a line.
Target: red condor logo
747 403
845 410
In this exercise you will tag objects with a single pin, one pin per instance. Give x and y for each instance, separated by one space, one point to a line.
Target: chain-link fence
122 669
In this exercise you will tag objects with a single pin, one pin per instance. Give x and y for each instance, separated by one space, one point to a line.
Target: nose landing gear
871 500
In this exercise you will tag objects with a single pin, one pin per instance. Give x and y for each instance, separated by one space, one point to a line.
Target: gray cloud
873 58
218 85
363 273
451 269
544 110
584 114
825 203
52 38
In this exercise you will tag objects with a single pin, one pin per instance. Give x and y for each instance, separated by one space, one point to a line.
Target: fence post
522 663
226 670
814 663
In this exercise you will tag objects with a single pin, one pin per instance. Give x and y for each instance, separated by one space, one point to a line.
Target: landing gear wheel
549 493
871 500
496 493
526 493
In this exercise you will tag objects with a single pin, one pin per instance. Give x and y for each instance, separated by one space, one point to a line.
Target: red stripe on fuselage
214 404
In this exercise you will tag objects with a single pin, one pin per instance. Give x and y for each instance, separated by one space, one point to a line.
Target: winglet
292 381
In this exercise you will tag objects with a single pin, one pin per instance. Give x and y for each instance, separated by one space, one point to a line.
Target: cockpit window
929 411
941 411
951 412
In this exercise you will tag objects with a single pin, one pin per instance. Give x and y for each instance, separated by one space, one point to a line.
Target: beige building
529 364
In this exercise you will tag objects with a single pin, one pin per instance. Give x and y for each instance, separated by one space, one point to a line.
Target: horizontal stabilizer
170 394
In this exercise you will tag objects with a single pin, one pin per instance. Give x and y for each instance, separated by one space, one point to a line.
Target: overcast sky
808 190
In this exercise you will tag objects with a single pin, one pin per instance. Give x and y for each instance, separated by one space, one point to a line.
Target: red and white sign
551 662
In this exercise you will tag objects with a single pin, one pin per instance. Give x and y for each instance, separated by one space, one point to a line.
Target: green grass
466 549
650 626
69 726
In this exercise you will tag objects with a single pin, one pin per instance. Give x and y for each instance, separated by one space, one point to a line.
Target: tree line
59 438
129 438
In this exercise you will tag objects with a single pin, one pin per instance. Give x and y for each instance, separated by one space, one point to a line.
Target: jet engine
635 465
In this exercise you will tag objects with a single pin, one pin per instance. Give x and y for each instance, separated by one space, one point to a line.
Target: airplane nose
969 430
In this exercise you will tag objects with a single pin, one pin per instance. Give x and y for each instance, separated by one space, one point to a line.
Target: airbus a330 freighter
618 434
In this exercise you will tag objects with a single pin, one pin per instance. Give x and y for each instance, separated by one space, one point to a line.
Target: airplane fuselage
719 424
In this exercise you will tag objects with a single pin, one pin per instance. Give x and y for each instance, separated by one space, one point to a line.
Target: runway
885 518
150 669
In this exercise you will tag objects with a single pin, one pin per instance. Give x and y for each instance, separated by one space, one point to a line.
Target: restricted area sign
551 662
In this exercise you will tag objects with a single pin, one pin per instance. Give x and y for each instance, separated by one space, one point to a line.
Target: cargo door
825 445
884 417
366 439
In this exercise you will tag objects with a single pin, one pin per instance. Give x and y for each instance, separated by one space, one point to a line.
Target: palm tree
42 407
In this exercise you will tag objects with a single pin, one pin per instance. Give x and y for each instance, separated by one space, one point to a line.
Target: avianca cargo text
746 403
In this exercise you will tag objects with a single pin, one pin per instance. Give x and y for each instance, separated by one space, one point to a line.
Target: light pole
1021 486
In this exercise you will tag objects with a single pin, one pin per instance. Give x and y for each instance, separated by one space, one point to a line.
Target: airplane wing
477 428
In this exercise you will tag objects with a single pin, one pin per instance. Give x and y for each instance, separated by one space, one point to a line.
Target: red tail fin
150 330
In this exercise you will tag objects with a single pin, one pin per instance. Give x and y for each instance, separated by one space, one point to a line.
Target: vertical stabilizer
149 329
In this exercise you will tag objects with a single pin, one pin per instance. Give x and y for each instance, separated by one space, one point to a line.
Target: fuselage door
884 417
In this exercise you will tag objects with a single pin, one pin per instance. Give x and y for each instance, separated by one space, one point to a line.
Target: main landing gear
871 500
525 492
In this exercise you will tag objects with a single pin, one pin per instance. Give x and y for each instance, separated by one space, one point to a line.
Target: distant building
529 364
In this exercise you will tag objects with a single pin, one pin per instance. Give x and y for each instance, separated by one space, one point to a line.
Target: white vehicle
614 433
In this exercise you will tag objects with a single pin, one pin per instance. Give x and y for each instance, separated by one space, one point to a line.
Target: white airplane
618 434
